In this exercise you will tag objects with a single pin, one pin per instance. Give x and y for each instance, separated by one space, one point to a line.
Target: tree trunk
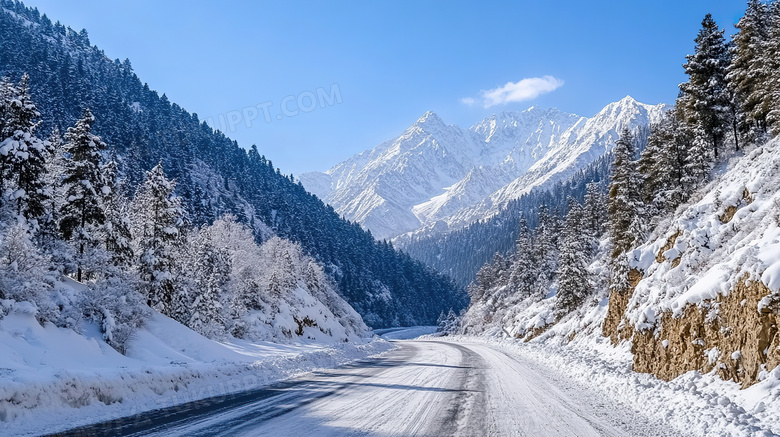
715 145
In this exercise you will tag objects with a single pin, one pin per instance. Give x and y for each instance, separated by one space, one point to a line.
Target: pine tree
447 324
7 129
750 70
619 271
524 269
771 63
662 165
649 164
116 229
158 221
82 213
707 88
211 270
595 212
573 278
624 196
546 249
23 155
48 233
488 277
284 277
698 163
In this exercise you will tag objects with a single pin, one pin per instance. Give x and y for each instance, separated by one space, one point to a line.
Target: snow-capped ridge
439 173
429 118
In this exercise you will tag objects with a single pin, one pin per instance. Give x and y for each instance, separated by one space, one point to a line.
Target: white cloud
520 91
470 101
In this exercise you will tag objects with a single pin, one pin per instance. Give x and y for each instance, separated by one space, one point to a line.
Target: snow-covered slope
701 308
378 188
579 146
55 378
708 280
436 174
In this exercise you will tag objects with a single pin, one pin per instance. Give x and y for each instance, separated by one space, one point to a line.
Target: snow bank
55 378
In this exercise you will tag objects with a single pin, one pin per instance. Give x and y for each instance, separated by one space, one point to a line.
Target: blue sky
377 66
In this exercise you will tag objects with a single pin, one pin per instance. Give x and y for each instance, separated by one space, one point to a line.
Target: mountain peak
626 105
429 117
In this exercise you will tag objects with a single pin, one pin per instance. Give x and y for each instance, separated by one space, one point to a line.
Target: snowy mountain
438 177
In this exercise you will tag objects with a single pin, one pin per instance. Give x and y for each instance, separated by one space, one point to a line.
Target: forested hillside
679 262
461 253
214 176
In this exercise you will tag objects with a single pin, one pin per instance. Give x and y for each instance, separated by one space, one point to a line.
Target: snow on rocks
715 250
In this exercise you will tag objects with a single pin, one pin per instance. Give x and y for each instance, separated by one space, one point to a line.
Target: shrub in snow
225 284
447 324
295 298
24 274
115 304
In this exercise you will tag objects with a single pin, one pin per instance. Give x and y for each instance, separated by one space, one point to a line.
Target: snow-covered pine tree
284 275
247 268
595 211
648 166
210 274
488 278
749 70
479 286
524 270
624 196
158 220
116 229
771 58
573 277
82 211
48 235
502 269
447 323
619 270
22 272
662 165
7 94
23 155
675 159
546 248
707 87
698 162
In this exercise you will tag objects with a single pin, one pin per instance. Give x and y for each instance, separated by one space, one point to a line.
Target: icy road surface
423 388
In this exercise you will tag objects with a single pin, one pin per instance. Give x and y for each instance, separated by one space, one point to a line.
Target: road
422 388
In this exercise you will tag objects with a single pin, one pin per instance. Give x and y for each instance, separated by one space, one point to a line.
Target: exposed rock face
709 296
613 326
659 257
731 210
736 334
728 214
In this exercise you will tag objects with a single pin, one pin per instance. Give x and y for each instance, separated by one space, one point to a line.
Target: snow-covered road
425 388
